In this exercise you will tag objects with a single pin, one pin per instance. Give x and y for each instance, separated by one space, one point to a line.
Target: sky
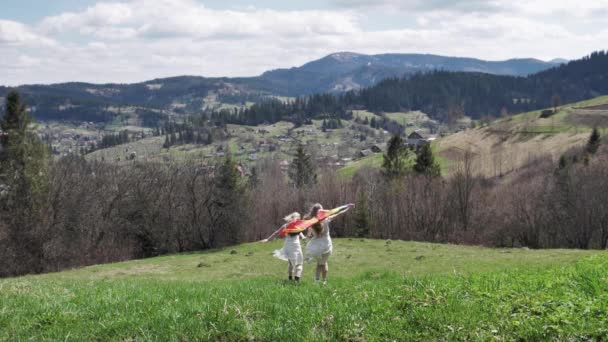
124 41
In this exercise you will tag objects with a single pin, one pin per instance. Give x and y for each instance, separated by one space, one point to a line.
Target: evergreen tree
594 142
302 171
228 197
23 183
563 162
167 143
23 157
425 162
228 175
362 220
394 163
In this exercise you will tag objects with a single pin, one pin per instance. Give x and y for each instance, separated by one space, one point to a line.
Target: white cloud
15 33
178 18
127 41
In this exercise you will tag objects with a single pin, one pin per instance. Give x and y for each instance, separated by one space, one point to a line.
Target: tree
394 163
594 142
24 176
425 162
302 171
555 102
228 199
227 178
23 158
362 220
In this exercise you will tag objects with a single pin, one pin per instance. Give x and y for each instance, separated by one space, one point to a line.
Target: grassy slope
377 291
509 143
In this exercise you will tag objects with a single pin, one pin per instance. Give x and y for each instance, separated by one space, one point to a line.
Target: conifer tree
362 220
227 178
302 171
394 163
228 198
24 183
425 162
594 142
23 157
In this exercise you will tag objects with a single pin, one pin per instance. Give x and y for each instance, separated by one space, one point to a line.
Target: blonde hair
291 217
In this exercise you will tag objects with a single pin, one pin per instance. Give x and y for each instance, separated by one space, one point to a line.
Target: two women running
318 249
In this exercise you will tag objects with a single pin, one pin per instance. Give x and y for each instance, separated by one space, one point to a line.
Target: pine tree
302 171
23 177
594 142
362 220
23 157
395 157
228 174
167 143
373 123
228 198
563 162
425 162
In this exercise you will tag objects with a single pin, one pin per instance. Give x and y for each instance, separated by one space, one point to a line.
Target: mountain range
335 73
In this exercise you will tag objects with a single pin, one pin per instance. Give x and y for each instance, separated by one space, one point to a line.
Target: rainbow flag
299 226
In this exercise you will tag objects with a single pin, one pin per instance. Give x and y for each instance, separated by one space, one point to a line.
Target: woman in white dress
320 247
292 250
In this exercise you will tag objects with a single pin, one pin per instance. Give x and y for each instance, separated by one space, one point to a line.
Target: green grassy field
378 290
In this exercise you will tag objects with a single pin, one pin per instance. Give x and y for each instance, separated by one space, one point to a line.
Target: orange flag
298 226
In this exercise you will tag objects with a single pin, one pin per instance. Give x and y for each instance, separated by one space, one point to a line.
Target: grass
378 291
373 161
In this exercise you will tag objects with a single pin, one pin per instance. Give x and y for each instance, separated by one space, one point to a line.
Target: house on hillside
378 148
365 153
416 139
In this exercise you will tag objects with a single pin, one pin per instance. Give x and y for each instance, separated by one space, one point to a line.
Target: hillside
509 143
333 148
378 290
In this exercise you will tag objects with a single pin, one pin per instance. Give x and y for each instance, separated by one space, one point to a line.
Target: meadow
378 290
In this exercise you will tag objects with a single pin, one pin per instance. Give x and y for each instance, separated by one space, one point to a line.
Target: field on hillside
378 290
509 143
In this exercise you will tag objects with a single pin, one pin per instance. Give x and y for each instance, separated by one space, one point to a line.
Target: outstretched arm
274 235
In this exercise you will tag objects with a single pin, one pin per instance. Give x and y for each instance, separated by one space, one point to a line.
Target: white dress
320 245
291 251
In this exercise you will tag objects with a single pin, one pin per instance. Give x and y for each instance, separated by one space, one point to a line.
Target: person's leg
298 271
290 269
324 272
317 273
324 266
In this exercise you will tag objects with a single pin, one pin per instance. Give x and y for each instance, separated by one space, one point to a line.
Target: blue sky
135 40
